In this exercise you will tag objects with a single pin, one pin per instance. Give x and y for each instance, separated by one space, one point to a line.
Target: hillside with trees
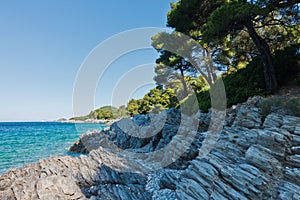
104 113
253 46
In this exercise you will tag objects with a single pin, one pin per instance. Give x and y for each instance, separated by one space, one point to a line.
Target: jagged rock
273 120
248 117
164 194
254 101
276 141
88 142
52 178
259 157
247 160
295 149
288 190
290 123
294 160
141 120
248 114
292 175
61 187
297 130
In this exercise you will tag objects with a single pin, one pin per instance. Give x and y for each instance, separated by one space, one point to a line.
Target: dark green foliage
249 81
287 63
245 83
204 101
233 15
186 15
239 86
205 97
221 25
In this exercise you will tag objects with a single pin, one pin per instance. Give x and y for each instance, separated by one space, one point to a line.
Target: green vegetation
249 81
154 101
287 63
105 112
280 105
255 48
240 85
108 112
252 45
238 31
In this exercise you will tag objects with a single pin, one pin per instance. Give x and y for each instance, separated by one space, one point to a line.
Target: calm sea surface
27 142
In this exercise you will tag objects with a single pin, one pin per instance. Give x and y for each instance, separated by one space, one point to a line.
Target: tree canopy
155 100
214 22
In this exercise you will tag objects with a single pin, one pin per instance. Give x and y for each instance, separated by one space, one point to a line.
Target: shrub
280 105
204 100
270 105
245 83
293 107
189 105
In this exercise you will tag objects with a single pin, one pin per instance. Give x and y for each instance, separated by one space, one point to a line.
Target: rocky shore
253 158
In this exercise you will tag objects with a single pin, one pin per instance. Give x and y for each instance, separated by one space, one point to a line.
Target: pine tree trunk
264 49
185 88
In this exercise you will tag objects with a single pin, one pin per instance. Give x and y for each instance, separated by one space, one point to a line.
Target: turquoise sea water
26 142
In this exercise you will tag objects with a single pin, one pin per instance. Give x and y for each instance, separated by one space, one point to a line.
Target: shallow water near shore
26 142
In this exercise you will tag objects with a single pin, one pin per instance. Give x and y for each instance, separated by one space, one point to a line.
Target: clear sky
43 44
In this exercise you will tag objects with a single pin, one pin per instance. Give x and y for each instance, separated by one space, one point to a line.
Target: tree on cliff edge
212 21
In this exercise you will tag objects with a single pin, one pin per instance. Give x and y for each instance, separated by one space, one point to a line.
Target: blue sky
43 44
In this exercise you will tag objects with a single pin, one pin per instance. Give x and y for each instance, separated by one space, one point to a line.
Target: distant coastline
105 115
105 122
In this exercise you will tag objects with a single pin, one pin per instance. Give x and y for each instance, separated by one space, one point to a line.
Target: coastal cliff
255 157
